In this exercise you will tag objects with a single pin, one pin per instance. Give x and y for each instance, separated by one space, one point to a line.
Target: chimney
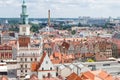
49 18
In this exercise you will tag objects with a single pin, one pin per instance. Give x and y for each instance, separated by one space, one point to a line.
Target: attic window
42 69
50 68
46 62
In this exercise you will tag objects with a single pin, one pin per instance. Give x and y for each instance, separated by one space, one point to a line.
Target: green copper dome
24 16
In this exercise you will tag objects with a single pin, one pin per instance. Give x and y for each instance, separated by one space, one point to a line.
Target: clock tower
24 28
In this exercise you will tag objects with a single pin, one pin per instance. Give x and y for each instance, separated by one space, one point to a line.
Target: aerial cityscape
56 47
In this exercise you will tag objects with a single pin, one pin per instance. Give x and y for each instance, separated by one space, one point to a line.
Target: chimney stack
49 18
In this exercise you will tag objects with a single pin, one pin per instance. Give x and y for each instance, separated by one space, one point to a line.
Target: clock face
24 29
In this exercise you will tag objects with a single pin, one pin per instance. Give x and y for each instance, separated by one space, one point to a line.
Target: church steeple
24 15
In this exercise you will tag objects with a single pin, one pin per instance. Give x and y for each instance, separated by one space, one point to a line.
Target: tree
90 60
73 32
35 27
79 24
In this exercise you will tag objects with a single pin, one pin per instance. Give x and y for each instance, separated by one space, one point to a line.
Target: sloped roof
88 75
65 45
3 78
73 76
104 75
33 77
41 60
34 66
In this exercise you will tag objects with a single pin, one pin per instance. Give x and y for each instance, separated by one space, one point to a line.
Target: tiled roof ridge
41 60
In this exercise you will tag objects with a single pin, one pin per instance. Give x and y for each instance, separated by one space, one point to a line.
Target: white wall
27 30
45 73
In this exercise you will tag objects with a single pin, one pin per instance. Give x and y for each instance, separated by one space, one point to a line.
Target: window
21 59
21 66
26 66
46 62
50 68
31 59
25 70
106 64
25 59
93 67
42 69
21 71
35 59
57 68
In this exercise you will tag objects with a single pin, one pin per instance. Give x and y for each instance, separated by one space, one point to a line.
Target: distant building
5 52
45 67
3 69
0 38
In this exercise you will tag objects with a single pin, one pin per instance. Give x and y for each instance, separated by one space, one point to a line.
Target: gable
45 63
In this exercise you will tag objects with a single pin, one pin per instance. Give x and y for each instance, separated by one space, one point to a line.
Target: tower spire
24 16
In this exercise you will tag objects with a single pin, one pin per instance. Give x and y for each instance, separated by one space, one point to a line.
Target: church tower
24 28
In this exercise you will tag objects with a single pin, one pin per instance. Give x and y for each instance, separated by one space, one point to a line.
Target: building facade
5 52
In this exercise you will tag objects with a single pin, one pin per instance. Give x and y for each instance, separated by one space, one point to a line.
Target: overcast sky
62 8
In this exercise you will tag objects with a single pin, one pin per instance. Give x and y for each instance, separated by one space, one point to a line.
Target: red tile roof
104 75
3 78
34 66
88 75
73 76
65 45
41 60
33 77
